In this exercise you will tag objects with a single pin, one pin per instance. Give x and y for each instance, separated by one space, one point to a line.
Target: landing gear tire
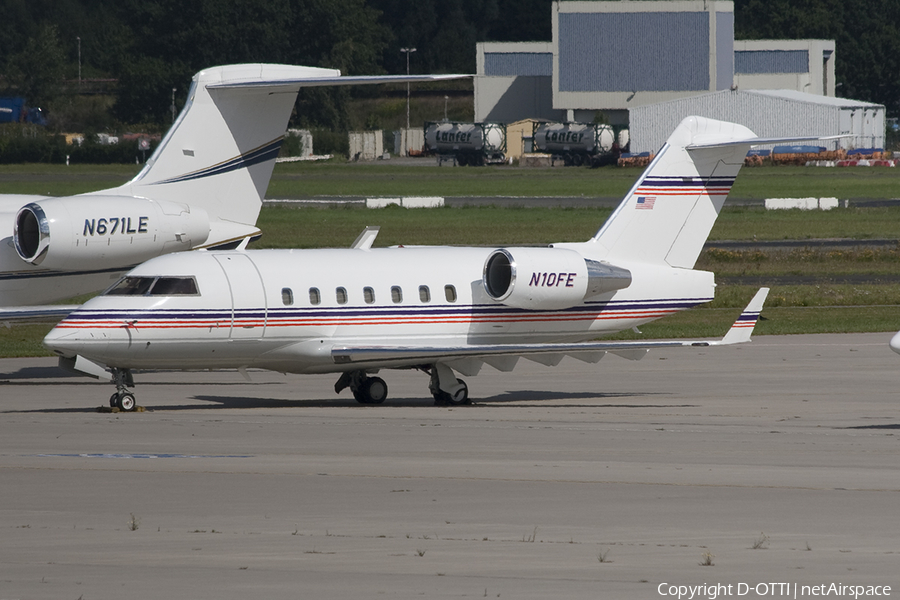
372 391
124 401
460 397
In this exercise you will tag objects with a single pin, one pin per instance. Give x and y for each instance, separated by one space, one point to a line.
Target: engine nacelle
96 232
548 278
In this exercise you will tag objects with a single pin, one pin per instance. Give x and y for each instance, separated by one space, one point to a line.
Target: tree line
152 46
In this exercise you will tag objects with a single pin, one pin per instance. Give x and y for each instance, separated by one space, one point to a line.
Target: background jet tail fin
668 214
219 154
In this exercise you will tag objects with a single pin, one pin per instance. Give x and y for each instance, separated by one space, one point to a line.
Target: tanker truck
473 144
579 144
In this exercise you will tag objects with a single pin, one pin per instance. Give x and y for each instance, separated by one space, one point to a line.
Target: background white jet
895 343
202 188
438 309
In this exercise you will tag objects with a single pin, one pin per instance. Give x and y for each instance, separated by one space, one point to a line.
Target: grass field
297 180
340 178
285 227
814 290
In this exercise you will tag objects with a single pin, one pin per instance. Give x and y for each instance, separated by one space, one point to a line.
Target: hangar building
620 58
768 113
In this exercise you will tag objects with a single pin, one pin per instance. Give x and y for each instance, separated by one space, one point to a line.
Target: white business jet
442 310
895 343
202 188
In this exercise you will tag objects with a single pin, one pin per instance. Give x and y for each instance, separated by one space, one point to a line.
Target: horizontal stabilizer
337 79
758 141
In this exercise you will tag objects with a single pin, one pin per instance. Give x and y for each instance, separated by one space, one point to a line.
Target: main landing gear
122 399
444 386
366 390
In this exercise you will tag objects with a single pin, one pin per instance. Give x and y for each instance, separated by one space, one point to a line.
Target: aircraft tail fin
219 154
668 214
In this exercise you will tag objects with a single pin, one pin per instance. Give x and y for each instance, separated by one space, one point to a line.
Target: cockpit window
131 286
174 286
154 286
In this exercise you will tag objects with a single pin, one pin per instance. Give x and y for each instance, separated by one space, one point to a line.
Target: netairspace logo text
780 589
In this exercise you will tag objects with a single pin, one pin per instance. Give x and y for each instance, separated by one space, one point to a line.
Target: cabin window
450 293
396 294
315 297
369 295
154 286
424 293
341 295
287 296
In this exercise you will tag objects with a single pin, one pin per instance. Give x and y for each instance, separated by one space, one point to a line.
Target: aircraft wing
589 351
44 313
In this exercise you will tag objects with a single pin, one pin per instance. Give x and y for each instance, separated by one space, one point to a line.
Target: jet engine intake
548 278
96 232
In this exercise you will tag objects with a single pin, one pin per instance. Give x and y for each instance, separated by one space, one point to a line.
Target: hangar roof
814 98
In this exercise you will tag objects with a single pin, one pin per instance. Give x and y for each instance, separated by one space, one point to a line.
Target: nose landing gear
122 399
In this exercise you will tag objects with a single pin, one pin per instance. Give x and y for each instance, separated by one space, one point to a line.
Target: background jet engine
548 278
97 232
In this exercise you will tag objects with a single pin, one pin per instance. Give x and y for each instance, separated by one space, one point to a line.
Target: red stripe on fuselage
375 321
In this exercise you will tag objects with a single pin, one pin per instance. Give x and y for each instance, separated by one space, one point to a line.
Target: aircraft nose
64 342
895 342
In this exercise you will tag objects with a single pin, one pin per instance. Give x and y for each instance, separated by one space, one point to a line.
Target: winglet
743 327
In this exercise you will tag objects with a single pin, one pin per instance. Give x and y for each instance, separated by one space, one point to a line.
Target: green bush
326 141
29 143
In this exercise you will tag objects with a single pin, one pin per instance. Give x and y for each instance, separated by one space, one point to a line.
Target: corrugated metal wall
765 115
771 61
518 64
613 52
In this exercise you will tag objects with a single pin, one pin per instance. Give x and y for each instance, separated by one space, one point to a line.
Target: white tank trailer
579 144
473 144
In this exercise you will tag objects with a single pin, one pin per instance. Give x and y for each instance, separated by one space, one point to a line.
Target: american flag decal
645 202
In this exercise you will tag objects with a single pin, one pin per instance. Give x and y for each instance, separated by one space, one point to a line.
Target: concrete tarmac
770 463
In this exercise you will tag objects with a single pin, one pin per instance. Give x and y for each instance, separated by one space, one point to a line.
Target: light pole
79 60
407 51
